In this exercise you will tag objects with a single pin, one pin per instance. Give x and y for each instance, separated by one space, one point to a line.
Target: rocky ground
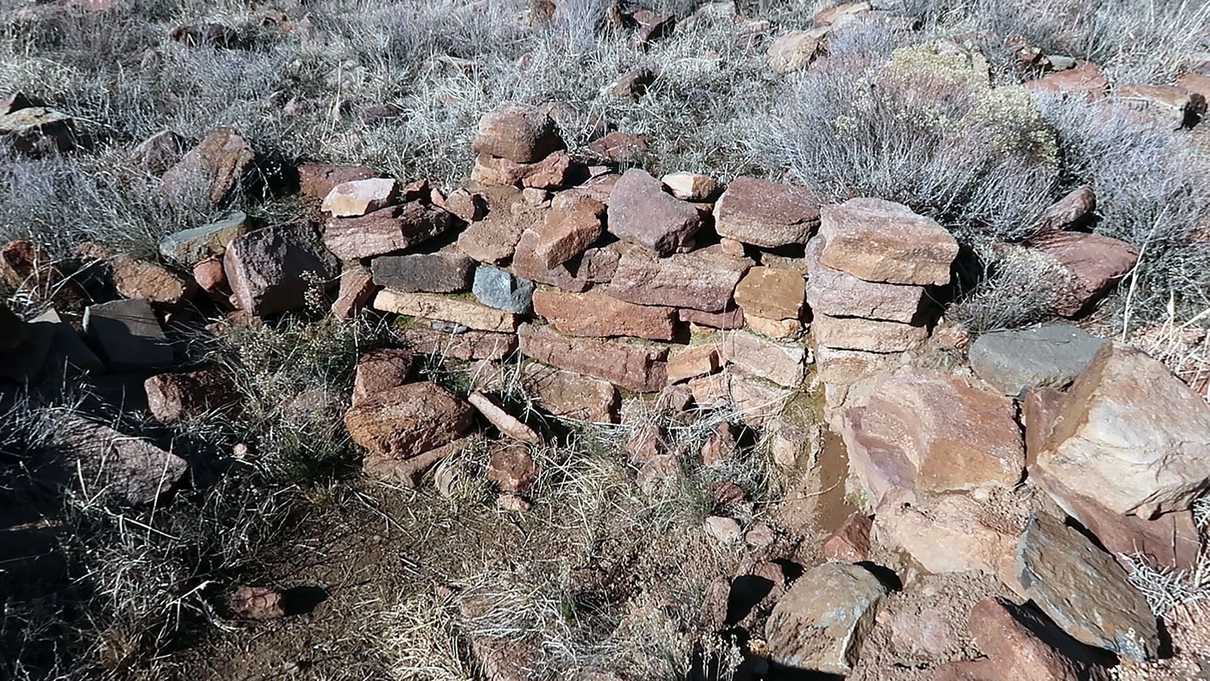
582 339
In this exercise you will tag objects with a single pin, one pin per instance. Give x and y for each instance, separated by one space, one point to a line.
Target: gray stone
498 288
821 622
191 246
1044 356
1084 590
424 272
128 335
132 469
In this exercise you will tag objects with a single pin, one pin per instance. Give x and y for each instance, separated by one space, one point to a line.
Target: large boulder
702 280
596 314
269 269
933 432
408 420
1084 590
516 132
641 212
882 241
767 214
1047 356
211 171
1131 436
821 623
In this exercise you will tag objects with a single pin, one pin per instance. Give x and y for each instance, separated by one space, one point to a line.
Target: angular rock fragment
434 306
640 368
767 214
595 314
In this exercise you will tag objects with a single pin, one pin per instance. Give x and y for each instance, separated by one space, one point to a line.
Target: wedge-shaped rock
406 421
701 280
767 214
1132 436
211 172
693 361
782 363
823 620
641 212
447 309
635 367
132 469
839 294
933 432
128 335
1084 590
596 314
573 224
388 230
882 241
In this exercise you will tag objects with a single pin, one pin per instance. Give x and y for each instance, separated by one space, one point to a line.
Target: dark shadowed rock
161 151
1084 590
38 131
380 370
172 398
442 272
133 470
128 335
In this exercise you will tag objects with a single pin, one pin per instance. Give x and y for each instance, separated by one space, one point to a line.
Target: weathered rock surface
131 469
1131 435
468 345
599 315
771 292
1049 356
1095 263
408 420
128 335
191 246
519 133
1084 590
356 198
211 171
767 214
1070 210
693 361
150 281
317 180
929 431
944 533
886 242
444 308
500 289
268 269
380 370
700 280
570 395
795 50
821 622
1085 80
172 398
870 335
512 468
640 368
1022 644
159 152
37 131
641 212
839 294
494 238
782 363
356 291
442 272
692 186
572 225
850 543
391 229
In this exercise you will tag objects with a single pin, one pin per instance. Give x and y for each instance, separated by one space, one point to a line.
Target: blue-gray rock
128 335
191 246
498 288
1044 356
